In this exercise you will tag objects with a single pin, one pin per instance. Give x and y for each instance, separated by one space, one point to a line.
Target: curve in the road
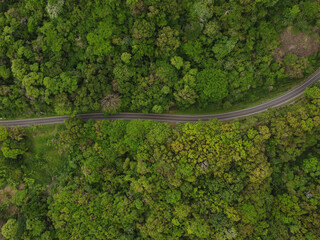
285 98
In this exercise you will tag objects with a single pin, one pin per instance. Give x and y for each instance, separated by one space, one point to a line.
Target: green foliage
10 229
12 142
295 66
12 149
177 62
212 85
212 29
185 94
311 165
53 40
143 29
201 10
193 50
54 7
3 133
224 47
88 50
167 41
4 72
65 83
99 40
62 105
254 179
125 57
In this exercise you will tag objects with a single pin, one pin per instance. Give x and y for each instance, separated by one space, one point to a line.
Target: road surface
287 97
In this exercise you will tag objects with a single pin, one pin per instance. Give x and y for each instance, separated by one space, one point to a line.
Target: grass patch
43 161
28 115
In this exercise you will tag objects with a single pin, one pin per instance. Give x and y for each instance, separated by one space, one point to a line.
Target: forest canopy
256 178
252 179
68 56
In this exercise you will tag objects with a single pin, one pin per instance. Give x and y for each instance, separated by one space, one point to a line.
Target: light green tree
10 229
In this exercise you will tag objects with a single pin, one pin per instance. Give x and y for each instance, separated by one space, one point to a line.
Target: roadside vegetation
246 179
42 161
257 178
262 96
66 57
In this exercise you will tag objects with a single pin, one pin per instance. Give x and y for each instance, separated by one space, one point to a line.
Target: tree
36 226
311 165
53 40
173 196
66 82
4 72
99 39
62 104
13 142
110 102
223 47
212 85
201 11
212 29
12 149
3 133
177 62
194 50
33 84
167 41
185 93
54 7
143 29
18 68
125 57
295 66
10 229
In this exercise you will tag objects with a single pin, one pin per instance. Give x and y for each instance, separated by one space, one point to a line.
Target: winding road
283 99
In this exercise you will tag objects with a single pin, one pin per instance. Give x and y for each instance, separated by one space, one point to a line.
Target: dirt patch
6 194
21 186
52 184
172 124
300 44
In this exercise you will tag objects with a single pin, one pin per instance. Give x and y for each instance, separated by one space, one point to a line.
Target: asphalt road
287 97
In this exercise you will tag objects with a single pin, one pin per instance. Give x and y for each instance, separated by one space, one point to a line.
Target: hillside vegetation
71 56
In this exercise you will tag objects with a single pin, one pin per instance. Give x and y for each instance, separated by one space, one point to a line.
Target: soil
172 124
5 194
300 44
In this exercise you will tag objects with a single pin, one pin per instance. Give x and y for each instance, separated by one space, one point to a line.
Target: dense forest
257 178
71 56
